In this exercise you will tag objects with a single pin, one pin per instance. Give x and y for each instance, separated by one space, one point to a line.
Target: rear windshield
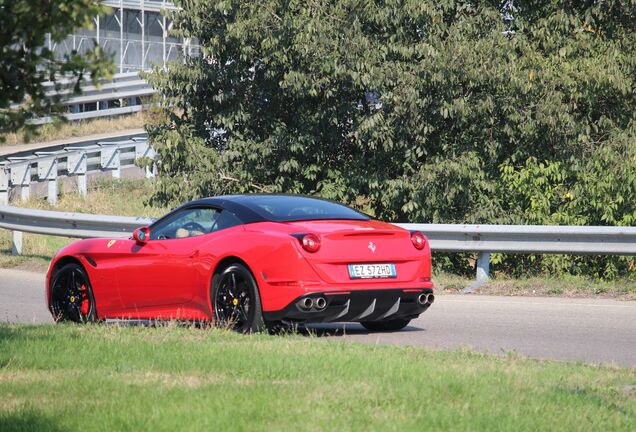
294 208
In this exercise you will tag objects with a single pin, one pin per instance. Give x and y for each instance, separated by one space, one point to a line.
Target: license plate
372 271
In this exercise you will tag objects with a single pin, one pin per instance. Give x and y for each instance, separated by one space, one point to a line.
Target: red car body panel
171 279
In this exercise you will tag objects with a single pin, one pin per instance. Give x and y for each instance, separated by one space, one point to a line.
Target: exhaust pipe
306 303
320 303
422 299
425 299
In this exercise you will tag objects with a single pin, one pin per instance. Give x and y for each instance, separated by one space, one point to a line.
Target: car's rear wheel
389 325
72 295
236 300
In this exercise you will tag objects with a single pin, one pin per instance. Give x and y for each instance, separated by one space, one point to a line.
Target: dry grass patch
32 376
187 381
80 128
107 197
11 402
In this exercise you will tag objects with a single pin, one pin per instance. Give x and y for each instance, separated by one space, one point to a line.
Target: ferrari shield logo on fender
110 243
372 247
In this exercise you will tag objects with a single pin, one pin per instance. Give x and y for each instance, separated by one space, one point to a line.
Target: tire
389 325
71 295
236 301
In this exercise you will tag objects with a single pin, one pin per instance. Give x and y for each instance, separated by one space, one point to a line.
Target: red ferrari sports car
249 261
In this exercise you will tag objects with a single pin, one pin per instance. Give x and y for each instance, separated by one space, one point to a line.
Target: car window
193 222
284 208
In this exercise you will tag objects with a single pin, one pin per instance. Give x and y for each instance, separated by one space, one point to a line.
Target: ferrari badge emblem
372 247
110 243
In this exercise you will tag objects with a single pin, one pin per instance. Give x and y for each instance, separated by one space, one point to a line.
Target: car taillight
310 242
419 240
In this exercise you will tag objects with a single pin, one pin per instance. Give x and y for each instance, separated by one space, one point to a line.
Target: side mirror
142 235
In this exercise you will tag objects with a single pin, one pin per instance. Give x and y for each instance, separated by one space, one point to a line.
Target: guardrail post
149 170
144 150
16 242
51 195
483 266
110 159
82 185
21 176
76 163
47 170
117 168
4 186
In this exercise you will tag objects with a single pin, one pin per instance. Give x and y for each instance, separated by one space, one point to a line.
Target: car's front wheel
388 325
236 300
72 295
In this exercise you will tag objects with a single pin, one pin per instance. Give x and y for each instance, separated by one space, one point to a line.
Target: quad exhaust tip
320 303
421 299
424 299
306 303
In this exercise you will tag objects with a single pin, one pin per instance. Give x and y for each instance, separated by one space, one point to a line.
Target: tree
26 62
412 110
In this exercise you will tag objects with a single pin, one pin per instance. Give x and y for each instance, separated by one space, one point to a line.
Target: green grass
109 377
37 251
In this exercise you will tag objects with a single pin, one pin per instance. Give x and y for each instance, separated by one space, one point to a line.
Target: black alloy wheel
72 295
388 325
236 300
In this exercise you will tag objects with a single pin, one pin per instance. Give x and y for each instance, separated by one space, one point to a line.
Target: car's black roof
243 205
233 203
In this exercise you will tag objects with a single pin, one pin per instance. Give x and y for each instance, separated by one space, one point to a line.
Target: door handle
194 254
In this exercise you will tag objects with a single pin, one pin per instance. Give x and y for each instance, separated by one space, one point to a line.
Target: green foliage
26 62
598 189
414 110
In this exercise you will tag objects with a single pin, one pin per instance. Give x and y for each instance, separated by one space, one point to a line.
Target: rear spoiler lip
351 233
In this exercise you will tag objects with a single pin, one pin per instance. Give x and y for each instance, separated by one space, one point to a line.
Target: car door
163 271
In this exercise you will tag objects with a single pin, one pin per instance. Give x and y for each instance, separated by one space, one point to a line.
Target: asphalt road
596 331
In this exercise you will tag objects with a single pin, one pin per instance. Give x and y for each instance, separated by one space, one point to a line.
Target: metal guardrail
72 160
483 239
539 239
148 5
78 225
118 87
64 224
123 87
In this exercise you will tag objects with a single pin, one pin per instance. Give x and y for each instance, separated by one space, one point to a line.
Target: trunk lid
345 242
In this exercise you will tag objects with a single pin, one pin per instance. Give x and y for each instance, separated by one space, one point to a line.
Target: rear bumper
355 306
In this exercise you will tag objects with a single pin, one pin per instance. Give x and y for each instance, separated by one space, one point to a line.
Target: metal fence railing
126 93
76 160
537 239
482 239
